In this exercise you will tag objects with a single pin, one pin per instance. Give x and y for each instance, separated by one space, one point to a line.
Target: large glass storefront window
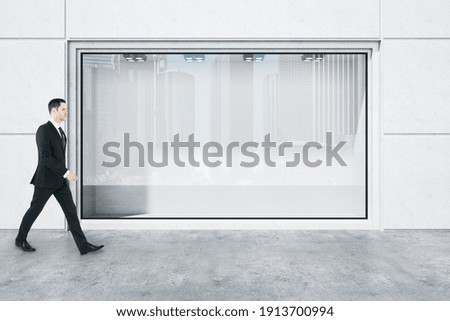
244 135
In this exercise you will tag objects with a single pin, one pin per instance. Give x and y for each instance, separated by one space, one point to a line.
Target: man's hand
72 177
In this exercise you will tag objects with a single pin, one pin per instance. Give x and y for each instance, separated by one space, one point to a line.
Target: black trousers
65 200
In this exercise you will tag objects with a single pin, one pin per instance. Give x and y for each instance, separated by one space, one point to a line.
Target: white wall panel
231 18
416 19
18 166
32 19
416 78
32 72
416 181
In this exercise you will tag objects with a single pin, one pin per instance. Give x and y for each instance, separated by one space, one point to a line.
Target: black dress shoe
90 248
24 245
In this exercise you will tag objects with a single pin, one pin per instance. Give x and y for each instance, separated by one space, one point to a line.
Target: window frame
78 48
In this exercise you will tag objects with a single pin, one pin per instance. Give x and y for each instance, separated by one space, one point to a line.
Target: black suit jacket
52 158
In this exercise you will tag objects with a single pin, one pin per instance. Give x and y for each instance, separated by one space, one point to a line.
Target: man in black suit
51 178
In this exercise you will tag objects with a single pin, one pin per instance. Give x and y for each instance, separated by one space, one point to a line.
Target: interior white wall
29 29
18 163
217 19
416 78
416 115
32 19
31 72
32 64
415 19
416 181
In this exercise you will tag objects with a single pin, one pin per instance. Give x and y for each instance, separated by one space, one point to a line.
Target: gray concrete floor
229 265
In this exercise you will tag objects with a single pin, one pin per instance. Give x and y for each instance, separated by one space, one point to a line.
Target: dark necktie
63 137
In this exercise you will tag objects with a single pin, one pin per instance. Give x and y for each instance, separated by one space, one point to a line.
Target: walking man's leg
64 198
40 198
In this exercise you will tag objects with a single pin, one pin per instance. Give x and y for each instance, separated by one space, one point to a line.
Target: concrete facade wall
414 76
32 64
415 48
223 19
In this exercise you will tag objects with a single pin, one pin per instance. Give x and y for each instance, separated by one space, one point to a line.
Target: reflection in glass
144 100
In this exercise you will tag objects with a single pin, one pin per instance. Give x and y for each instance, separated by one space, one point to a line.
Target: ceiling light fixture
313 57
194 58
129 57
135 57
253 57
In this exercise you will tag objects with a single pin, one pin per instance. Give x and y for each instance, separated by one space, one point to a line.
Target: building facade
391 57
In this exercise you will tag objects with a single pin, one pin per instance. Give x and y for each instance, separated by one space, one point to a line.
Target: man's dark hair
55 103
